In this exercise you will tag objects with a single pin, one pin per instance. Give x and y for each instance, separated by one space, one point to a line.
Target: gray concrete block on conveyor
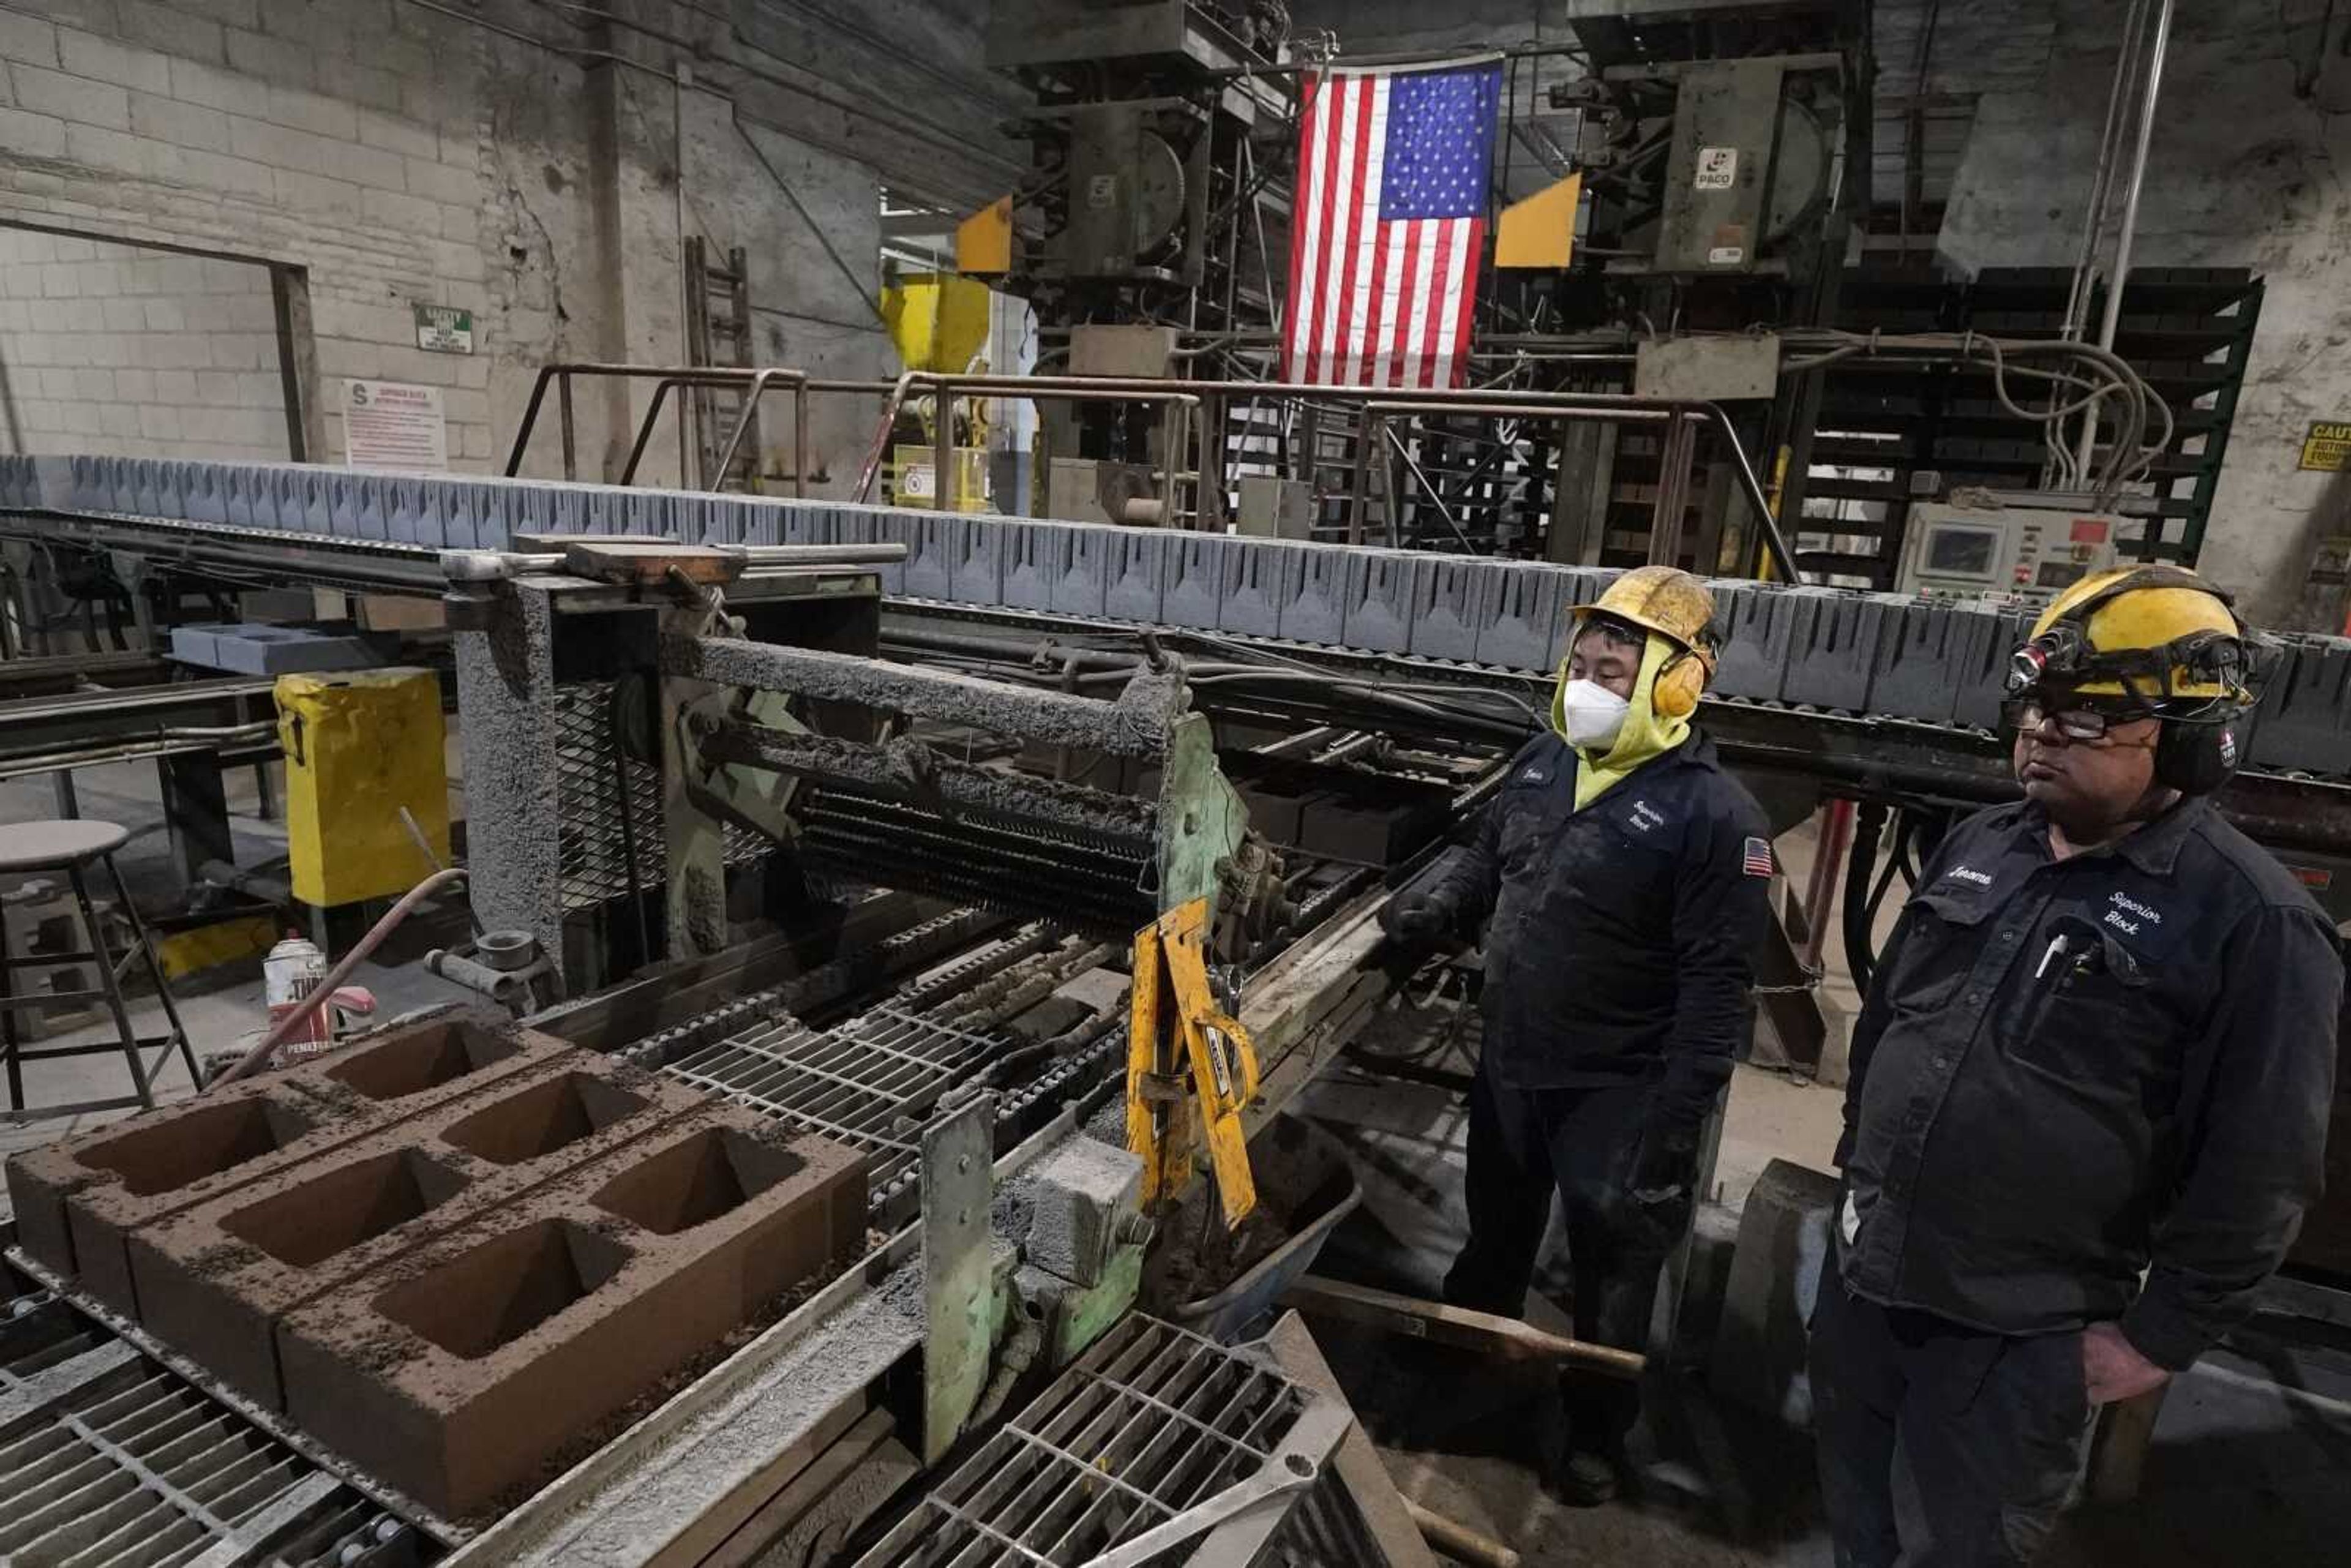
1314 595
655 514
1448 598
2304 717
1135 575
1518 624
1191 581
1379 587
976 561
1757 624
1832 649
1033 555
1083 585
1251 579
1986 639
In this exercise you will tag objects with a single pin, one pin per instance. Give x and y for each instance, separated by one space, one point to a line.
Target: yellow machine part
937 321
360 745
915 480
984 240
1176 1031
1539 231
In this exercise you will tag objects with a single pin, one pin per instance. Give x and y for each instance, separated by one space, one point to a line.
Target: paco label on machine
1718 169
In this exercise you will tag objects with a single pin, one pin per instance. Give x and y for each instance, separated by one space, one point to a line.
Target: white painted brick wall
339 136
110 347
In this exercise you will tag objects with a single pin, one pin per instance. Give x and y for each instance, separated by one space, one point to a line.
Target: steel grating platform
1151 1422
109 1460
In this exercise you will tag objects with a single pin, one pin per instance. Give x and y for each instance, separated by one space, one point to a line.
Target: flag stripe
1299 306
1400 343
1365 247
1387 241
1346 186
1365 188
1476 230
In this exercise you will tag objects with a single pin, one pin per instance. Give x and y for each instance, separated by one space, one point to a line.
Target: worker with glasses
1620 877
2088 1095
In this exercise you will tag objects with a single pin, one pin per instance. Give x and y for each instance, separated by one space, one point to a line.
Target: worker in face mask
1620 876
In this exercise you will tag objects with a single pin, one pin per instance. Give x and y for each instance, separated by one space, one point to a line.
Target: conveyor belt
1831 649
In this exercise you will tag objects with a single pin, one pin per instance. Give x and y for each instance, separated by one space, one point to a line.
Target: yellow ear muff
1675 692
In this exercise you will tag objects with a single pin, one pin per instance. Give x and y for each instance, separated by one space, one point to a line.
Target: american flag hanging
1389 219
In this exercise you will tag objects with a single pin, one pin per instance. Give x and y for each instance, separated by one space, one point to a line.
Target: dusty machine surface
837 825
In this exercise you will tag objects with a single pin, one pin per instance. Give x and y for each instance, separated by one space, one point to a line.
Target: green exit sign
444 328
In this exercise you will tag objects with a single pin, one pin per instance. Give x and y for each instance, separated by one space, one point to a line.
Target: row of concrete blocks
448 1254
1831 649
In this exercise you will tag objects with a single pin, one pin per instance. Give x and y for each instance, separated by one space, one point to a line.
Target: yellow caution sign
2327 448
1539 232
360 745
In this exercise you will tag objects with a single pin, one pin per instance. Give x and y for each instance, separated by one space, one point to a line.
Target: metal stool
70 846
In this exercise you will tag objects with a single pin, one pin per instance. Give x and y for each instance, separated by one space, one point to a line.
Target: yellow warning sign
2328 448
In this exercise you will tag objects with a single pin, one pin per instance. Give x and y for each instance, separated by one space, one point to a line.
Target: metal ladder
718 332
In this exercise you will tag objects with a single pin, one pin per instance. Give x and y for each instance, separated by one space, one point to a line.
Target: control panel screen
2060 574
1962 552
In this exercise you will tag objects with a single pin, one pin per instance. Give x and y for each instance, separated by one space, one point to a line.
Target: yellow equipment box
360 745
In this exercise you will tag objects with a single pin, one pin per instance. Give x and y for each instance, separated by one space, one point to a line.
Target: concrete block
1833 647
1759 629
1077 1197
1380 600
1136 574
2305 723
1193 582
1760 1346
111 1182
1449 601
1518 624
1314 596
1983 646
459 1371
1034 558
976 561
1082 587
214 1281
1250 580
275 650
1917 671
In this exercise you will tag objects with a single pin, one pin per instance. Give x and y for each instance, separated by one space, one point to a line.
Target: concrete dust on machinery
449 1254
1882 654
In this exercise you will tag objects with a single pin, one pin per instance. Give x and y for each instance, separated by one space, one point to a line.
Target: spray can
294 969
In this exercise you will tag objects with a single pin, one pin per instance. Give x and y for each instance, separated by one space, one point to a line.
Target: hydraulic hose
253 1060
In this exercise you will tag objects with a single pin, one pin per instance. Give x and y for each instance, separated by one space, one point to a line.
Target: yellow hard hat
2157 633
1665 600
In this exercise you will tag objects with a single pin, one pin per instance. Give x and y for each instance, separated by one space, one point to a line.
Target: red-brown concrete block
457 1372
410 1068
154 1163
212 1281
145 1169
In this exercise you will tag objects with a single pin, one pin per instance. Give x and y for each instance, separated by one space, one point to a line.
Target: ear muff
2197 758
1680 681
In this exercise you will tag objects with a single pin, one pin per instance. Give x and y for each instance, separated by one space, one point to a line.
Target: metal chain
1811 982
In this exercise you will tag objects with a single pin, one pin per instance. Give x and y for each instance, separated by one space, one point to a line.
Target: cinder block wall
511 161
147 353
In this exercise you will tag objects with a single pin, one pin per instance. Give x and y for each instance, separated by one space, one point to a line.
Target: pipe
1457 1540
2120 275
253 1060
2126 59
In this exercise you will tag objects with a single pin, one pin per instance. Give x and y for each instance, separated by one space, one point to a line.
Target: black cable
1860 947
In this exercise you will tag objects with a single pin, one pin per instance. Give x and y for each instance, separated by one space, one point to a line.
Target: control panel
2019 556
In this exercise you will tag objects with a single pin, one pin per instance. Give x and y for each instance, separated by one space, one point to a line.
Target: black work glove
1418 917
1659 1197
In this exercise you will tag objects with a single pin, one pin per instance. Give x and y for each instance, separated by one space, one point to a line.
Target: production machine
944 909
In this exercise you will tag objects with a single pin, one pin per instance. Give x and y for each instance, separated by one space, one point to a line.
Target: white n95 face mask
1595 715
